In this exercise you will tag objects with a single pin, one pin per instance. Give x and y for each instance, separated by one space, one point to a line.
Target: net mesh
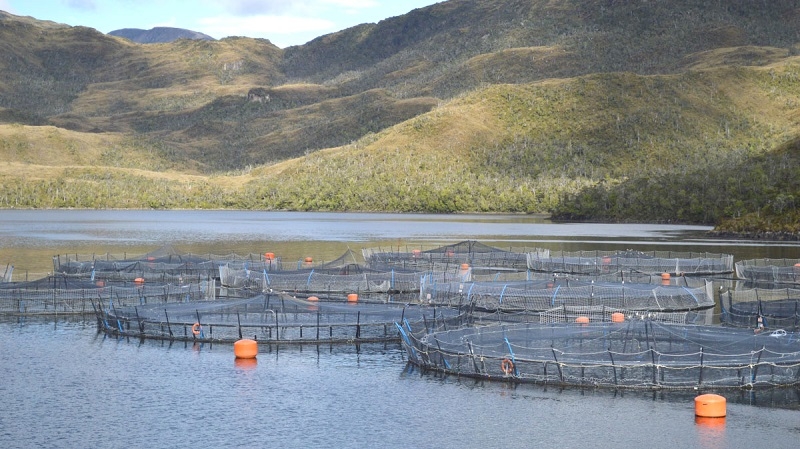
588 262
534 296
269 318
71 298
633 354
785 271
777 308
468 252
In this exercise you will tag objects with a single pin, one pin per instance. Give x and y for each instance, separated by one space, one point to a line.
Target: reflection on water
29 239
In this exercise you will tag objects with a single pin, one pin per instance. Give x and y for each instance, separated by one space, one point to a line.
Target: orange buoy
308 259
352 297
617 317
245 349
269 256
582 320
196 329
138 281
313 298
710 406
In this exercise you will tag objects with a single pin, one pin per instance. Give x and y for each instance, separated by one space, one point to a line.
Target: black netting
633 353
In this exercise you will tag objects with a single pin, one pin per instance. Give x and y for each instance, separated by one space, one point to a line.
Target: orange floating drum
710 406
245 349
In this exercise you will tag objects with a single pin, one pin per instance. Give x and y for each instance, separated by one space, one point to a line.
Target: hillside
678 111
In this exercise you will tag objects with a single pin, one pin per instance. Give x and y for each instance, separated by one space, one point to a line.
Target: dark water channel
64 385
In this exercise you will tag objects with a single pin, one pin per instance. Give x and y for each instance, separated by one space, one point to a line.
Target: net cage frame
629 276
332 281
785 271
777 308
40 298
598 261
167 261
271 319
471 252
592 314
635 354
540 295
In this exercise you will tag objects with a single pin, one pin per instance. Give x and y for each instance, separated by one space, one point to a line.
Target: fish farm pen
470 253
627 354
589 262
336 281
163 265
272 319
617 319
60 295
785 271
777 308
534 296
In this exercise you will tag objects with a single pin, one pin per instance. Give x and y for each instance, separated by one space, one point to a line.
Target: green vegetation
681 111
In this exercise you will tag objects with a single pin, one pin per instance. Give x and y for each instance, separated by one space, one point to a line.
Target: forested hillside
612 110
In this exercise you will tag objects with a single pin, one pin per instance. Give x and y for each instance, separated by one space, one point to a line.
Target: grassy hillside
682 111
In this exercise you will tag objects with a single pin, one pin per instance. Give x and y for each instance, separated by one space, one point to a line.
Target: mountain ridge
158 35
684 78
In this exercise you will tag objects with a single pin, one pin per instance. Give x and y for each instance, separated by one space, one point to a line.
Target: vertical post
755 369
613 366
169 328
700 380
558 365
653 357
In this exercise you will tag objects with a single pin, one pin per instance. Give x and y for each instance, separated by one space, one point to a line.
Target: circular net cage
616 277
633 354
534 296
651 262
761 308
166 264
66 295
162 265
783 271
469 252
332 281
271 318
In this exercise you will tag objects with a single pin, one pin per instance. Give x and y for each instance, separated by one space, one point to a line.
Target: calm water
63 385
